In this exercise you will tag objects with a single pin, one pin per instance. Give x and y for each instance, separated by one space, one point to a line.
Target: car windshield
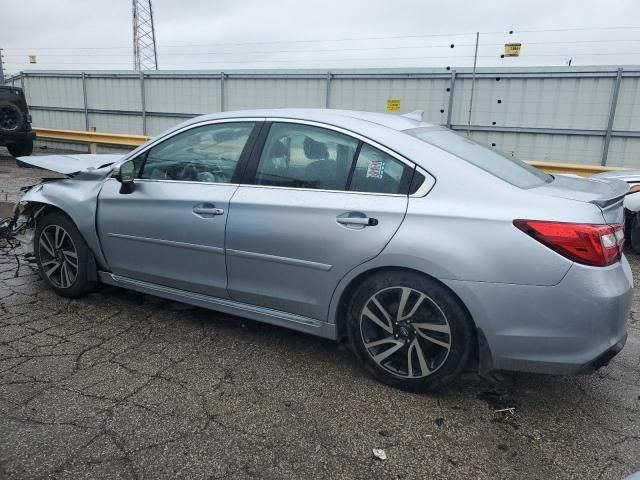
507 168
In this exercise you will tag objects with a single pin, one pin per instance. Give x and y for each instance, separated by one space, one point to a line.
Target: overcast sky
231 35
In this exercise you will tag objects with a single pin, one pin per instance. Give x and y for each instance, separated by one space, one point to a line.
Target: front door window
209 153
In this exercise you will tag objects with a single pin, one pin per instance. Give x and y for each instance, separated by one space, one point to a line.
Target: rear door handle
364 221
207 210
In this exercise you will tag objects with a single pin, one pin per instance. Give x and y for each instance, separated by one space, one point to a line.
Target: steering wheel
188 173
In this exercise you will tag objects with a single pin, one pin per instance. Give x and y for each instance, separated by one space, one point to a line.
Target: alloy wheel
405 332
58 256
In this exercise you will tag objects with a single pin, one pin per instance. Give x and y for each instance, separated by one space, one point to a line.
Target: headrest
315 150
278 149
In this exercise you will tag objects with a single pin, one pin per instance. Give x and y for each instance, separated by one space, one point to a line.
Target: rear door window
378 172
305 156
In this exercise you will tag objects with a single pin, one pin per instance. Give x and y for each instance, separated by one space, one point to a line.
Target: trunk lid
606 193
70 164
625 175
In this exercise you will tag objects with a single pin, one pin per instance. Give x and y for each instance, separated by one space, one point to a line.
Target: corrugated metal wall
561 114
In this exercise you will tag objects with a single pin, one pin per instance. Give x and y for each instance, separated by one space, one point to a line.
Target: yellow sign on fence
393 105
512 49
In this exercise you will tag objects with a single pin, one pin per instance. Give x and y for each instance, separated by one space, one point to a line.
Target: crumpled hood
69 164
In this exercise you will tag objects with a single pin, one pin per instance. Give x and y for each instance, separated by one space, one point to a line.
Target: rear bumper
604 358
17 136
575 326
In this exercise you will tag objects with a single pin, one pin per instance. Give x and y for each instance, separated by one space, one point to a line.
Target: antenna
145 56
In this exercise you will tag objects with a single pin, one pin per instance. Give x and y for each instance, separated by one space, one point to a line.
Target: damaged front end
75 195
19 229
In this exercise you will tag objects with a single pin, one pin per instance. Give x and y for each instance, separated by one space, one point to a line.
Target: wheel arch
76 200
38 210
339 306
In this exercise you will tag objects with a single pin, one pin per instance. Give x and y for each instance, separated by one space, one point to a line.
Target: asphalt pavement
124 385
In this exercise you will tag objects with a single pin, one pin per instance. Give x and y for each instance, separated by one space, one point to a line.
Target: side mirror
125 174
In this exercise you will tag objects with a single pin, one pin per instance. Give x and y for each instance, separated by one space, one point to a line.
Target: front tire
409 331
62 256
23 148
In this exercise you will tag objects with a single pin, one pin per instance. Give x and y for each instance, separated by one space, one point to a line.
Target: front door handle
207 210
364 221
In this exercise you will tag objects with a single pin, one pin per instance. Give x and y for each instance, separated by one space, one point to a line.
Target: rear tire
634 236
23 148
62 256
409 331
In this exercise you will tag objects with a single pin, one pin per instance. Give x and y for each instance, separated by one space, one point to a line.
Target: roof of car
339 118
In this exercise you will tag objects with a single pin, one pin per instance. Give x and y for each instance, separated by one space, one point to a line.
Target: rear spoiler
608 202
619 187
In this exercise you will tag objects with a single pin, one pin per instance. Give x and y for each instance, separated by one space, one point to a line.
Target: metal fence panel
56 119
113 93
580 103
247 93
628 111
560 114
429 95
52 92
625 151
580 149
182 95
106 122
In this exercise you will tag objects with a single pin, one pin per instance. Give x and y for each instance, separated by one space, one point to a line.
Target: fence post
84 97
452 84
222 91
2 79
93 147
473 84
612 116
143 104
327 99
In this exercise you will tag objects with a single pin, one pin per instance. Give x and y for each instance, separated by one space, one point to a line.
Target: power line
383 37
398 47
250 61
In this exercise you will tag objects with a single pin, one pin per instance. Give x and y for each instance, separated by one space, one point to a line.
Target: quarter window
492 161
209 153
377 172
305 156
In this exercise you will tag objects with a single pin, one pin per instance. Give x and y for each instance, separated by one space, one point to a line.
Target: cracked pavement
123 385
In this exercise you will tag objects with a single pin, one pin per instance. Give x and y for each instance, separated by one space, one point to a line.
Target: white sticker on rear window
375 169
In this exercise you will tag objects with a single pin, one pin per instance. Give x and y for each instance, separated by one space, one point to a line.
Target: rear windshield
502 166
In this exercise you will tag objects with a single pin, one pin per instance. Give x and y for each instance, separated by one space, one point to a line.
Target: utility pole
1 67
473 84
145 56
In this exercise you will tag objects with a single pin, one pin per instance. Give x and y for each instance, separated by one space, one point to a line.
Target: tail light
596 245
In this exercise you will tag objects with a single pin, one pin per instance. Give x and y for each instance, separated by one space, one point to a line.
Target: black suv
15 122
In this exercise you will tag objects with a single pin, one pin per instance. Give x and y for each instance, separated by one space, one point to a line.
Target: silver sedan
426 251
